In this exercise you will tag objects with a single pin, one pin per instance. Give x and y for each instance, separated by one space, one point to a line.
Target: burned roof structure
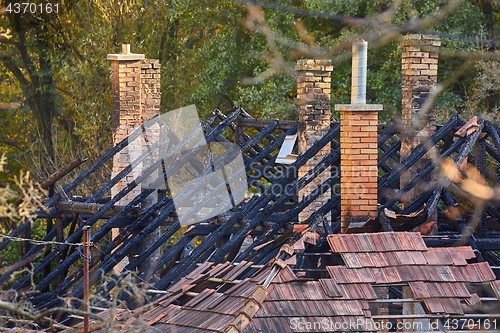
315 252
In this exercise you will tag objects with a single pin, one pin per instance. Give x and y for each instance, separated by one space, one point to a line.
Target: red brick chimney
419 77
358 148
135 85
314 115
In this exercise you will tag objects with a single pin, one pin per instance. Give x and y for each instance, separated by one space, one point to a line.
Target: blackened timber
391 152
423 218
270 164
483 244
31 254
384 221
416 155
492 130
121 243
481 166
263 123
101 161
492 151
185 158
287 124
387 134
63 172
76 236
415 179
469 143
58 175
107 257
293 212
252 208
91 208
172 252
256 146
328 207
128 244
418 203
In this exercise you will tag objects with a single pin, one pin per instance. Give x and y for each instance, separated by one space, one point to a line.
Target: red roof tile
330 287
376 242
404 257
456 256
351 260
379 276
443 256
495 285
359 291
452 305
431 257
379 259
472 300
433 305
338 273
419 289
365 259
418 258
484 271
237 270
466 252
285 275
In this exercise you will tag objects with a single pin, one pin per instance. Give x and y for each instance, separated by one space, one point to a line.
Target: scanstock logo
203 179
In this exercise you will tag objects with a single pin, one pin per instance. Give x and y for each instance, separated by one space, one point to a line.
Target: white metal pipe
359 65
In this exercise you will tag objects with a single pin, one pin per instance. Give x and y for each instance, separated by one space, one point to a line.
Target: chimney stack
135 85
314 115
419 77
358 147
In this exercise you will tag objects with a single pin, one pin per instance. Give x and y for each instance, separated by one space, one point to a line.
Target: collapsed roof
268 215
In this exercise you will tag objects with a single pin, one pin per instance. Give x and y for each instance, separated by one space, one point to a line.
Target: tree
209 49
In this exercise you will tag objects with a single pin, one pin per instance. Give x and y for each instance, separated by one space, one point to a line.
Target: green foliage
208 49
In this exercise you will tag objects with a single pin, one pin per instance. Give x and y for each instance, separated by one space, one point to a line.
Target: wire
38 242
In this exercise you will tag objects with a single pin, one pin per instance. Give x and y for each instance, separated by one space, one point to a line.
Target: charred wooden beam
417 154
263 123
93 208
483 244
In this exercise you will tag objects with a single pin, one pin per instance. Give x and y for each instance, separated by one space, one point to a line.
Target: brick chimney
314 115
419 77
135 85
358 148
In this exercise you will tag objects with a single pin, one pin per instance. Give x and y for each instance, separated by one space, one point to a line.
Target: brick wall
419 77
314 115
358 162
150 88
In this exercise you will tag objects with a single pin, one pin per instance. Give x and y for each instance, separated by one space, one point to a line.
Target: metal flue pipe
359 65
